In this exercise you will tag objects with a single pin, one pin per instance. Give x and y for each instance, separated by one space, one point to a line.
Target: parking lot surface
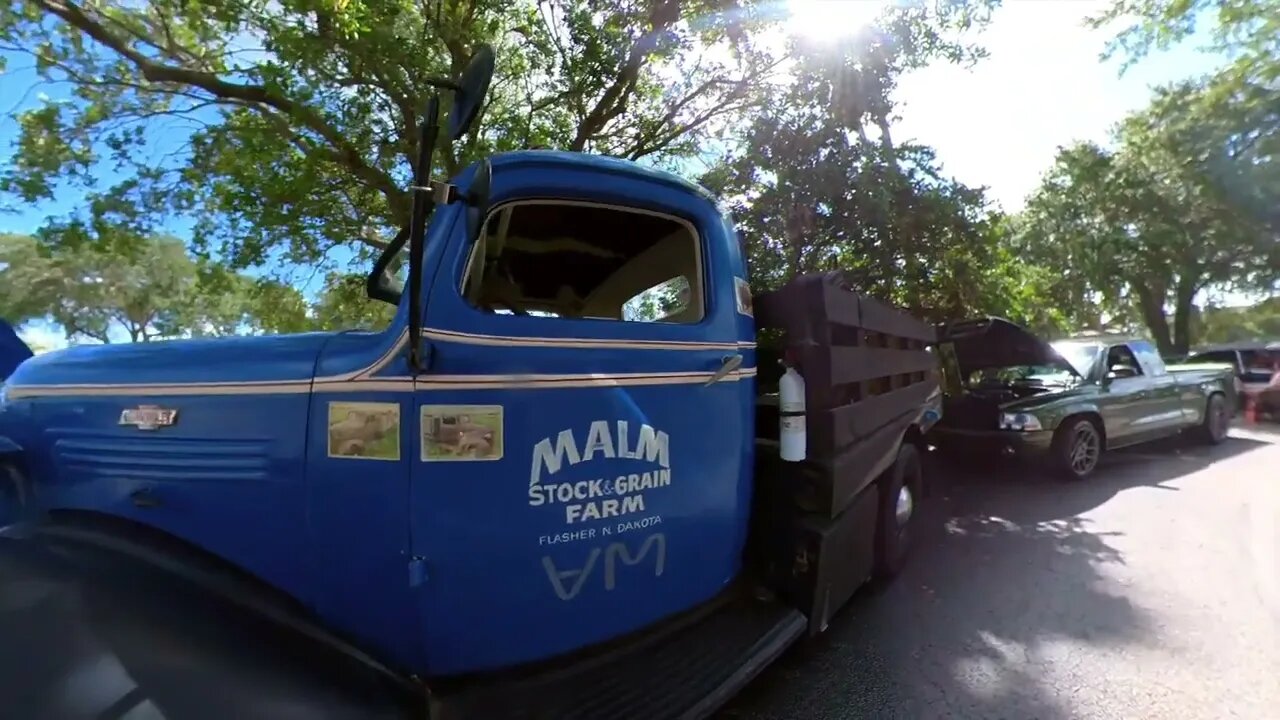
1149 591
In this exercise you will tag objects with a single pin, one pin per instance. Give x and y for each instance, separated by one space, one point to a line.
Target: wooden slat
811 301
842 478
831 431
884 318
837 305
852 364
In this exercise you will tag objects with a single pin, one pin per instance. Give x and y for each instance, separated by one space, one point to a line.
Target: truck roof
1238 345
1104 339
552 159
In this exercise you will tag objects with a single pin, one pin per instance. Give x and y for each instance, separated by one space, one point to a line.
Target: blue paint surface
231 359
439 567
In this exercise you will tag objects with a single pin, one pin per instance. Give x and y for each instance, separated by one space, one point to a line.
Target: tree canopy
1188 199
283 134
155 290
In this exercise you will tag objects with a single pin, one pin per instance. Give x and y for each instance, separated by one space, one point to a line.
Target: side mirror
470 92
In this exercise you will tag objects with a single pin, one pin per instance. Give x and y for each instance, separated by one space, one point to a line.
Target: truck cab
546 462
570 416
1067 402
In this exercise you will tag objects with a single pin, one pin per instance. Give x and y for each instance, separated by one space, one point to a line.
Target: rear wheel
1077 448
901 491
1213 428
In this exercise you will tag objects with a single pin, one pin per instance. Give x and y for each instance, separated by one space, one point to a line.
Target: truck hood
12 350
176 362
1030 404
993 342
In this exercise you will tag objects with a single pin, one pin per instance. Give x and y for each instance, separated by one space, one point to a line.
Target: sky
1000 123
996 124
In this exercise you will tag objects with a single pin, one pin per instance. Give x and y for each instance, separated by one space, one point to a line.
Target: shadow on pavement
1025 494
1006 584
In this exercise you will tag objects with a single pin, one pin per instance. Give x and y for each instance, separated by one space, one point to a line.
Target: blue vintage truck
551 488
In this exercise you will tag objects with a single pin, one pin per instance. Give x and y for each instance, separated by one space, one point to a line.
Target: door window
1121 363
559 259
1258 365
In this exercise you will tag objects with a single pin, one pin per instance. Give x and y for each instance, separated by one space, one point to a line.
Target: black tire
895 533
1077 449
1212 430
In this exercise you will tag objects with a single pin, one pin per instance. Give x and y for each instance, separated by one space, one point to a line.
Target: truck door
1128 404
1165 400
586 423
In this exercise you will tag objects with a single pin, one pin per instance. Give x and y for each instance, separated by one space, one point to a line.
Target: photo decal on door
461 432
364 430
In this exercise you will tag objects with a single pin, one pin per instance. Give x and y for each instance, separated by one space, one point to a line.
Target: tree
1231 324
819 184
149 289
1248 31
1185 203
25 278
305 111
342 304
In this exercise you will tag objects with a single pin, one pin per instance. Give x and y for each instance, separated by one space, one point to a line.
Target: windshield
1081 355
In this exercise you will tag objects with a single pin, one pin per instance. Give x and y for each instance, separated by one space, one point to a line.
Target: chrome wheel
904 506
1086 446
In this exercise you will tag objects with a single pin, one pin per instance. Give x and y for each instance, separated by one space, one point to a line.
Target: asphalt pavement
1150 591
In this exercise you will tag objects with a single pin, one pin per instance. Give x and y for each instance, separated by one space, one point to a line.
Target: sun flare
831 19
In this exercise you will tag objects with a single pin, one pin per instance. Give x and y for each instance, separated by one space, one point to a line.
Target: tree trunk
1182 310
1151 304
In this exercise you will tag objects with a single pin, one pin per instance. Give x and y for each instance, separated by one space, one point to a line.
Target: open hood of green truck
993 342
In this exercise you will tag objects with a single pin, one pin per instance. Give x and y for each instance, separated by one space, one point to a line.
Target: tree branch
260 97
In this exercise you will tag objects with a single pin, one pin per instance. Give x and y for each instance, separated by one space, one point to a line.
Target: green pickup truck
1065 403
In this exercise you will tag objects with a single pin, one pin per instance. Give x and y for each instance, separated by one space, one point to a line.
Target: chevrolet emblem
148 417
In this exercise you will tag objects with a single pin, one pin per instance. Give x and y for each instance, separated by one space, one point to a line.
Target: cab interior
581 260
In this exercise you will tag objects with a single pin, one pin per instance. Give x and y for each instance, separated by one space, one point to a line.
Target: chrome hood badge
149 417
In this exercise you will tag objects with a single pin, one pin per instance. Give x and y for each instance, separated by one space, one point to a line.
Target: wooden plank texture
841 478
831 431
838 305
807 303
853 364
887 319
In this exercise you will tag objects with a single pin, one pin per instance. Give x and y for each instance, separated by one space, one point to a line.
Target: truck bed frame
868 376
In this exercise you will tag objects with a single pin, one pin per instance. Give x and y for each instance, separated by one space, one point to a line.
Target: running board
687 675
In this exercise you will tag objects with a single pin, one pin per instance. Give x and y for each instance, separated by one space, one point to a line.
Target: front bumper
998 443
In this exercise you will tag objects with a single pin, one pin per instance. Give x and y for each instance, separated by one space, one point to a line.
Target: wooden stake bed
867 376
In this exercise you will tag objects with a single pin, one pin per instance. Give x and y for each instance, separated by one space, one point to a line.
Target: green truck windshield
1081 355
